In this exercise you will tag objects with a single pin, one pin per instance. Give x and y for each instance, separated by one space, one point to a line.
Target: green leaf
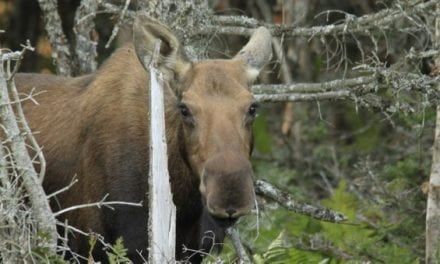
119 253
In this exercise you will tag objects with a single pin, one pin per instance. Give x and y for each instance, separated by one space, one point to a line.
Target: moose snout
227 187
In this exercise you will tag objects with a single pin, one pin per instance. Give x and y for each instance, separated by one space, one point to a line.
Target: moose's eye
184 111
187 117
253 109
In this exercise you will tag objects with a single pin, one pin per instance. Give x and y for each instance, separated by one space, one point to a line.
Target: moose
95 128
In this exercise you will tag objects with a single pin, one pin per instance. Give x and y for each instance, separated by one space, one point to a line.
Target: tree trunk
162 215
433 206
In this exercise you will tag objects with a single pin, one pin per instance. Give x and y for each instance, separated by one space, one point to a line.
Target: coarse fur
95 128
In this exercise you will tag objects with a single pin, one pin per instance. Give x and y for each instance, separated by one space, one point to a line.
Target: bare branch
324 214
311 87
97 204
293 97
24 166
118 24
234 235
73 182
111 8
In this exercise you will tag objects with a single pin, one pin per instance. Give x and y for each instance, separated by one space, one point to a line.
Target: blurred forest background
365 153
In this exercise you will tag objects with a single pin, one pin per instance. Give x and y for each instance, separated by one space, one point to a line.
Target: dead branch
61 52
352 25
266 189
99 204
40 205
234 235
312 87
118 24
298 97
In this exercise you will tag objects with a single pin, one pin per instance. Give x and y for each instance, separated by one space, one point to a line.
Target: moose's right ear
145 33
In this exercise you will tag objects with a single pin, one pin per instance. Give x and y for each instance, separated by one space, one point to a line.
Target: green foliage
262 138
118 253
276 251
374 232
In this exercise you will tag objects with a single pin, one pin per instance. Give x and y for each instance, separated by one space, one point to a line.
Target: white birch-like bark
162 211
433 204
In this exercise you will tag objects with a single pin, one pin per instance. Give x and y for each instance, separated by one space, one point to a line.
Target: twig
97 204
118 24
18 61
73 182
111 8
61 52
324 214
26 97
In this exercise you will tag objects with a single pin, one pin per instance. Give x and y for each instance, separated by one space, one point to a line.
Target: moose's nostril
230 212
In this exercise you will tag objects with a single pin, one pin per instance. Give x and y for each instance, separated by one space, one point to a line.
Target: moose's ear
146 31
257 52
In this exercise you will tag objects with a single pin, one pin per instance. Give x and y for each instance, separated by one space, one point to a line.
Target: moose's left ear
145 33
257 52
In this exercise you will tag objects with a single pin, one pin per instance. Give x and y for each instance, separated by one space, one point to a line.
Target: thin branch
234 235
97 204
324 214
111 8
73 182
118 24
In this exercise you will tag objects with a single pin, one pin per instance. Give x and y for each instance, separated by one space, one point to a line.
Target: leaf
119 254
